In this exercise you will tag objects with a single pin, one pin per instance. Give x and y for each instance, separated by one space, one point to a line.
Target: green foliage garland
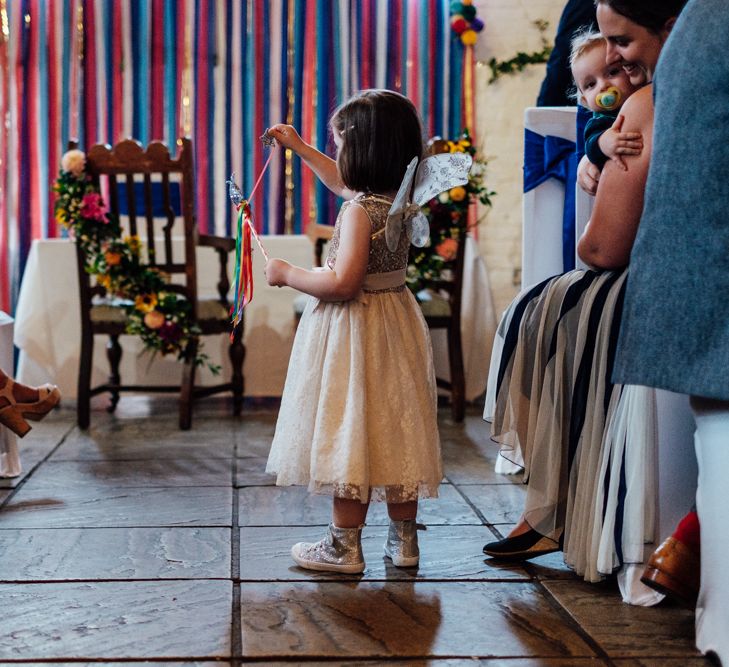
521 60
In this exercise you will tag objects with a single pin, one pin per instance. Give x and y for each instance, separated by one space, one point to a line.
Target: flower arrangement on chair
447 215
161 317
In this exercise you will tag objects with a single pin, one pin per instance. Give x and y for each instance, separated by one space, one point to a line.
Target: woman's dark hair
651 14
381 134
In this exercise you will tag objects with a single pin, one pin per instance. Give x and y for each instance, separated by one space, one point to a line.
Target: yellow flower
61 217
145 302
134 243
458 193
104 279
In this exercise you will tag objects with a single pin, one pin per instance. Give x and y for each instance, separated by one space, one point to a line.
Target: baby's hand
287 136
614 143
276 270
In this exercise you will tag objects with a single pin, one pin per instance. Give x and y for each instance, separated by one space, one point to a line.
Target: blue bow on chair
555 157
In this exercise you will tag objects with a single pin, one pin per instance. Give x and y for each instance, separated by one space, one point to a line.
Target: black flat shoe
522 547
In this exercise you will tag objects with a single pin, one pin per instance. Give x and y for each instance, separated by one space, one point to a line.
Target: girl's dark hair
381 134
651 14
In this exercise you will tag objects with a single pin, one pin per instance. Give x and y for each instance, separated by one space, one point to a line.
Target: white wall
500 111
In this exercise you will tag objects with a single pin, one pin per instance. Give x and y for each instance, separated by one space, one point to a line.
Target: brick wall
500 111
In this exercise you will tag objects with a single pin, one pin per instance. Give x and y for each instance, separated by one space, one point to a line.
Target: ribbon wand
243 291
236 196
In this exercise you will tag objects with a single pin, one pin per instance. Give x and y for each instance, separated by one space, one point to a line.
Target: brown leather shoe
674 570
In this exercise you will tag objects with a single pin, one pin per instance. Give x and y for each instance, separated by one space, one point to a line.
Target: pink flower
447 249
74 162
93 207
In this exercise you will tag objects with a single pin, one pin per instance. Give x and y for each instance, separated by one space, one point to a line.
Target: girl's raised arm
322 165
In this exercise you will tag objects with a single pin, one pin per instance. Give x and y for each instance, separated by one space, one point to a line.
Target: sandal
14 414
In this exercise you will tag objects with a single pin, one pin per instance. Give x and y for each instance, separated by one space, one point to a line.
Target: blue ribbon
555 157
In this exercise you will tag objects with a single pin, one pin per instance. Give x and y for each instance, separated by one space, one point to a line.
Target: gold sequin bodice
381 260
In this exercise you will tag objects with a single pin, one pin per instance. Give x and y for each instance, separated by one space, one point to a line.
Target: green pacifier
609 99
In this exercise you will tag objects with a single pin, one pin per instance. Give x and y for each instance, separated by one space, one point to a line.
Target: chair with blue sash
153 195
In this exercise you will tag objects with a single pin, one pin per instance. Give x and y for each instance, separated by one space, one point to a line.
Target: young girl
358 412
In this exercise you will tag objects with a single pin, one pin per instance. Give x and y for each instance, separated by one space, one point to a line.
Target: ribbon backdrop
219 71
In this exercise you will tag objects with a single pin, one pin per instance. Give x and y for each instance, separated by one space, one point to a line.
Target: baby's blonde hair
584 40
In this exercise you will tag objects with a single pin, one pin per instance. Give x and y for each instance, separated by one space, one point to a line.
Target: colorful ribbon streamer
243 289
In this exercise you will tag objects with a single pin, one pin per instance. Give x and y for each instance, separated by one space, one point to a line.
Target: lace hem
398 493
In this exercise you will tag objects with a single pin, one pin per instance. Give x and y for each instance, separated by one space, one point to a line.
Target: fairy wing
399 208
435 174
440 172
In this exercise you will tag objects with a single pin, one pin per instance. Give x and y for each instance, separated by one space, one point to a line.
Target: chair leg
83 390
113 354
188 387
237 353
458 379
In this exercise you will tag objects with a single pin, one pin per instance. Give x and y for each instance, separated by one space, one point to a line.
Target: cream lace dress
358 412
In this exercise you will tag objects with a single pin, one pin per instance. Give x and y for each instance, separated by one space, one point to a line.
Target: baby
603 89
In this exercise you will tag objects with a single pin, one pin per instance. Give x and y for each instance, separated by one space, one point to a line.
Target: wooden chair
444 312
319 235
114 170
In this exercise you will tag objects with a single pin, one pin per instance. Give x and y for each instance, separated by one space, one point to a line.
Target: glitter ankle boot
402 543
339 551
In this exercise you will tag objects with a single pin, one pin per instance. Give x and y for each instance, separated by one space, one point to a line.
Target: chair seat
108 313
433 304
212 309
114 313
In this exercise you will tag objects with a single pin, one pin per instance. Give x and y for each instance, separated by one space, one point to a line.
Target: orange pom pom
469 37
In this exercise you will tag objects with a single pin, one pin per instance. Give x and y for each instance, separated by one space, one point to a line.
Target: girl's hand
588 176
287 136
276 272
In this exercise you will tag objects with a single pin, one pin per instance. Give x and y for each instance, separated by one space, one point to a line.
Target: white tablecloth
48 328
9 460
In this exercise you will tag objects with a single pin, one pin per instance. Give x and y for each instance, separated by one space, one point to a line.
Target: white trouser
712 452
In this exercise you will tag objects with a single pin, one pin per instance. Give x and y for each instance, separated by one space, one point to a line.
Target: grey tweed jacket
675 328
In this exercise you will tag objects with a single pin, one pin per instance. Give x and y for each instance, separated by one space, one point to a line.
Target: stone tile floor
134 541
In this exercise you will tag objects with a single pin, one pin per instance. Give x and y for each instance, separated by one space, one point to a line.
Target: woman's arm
322 165
608 238
345 281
